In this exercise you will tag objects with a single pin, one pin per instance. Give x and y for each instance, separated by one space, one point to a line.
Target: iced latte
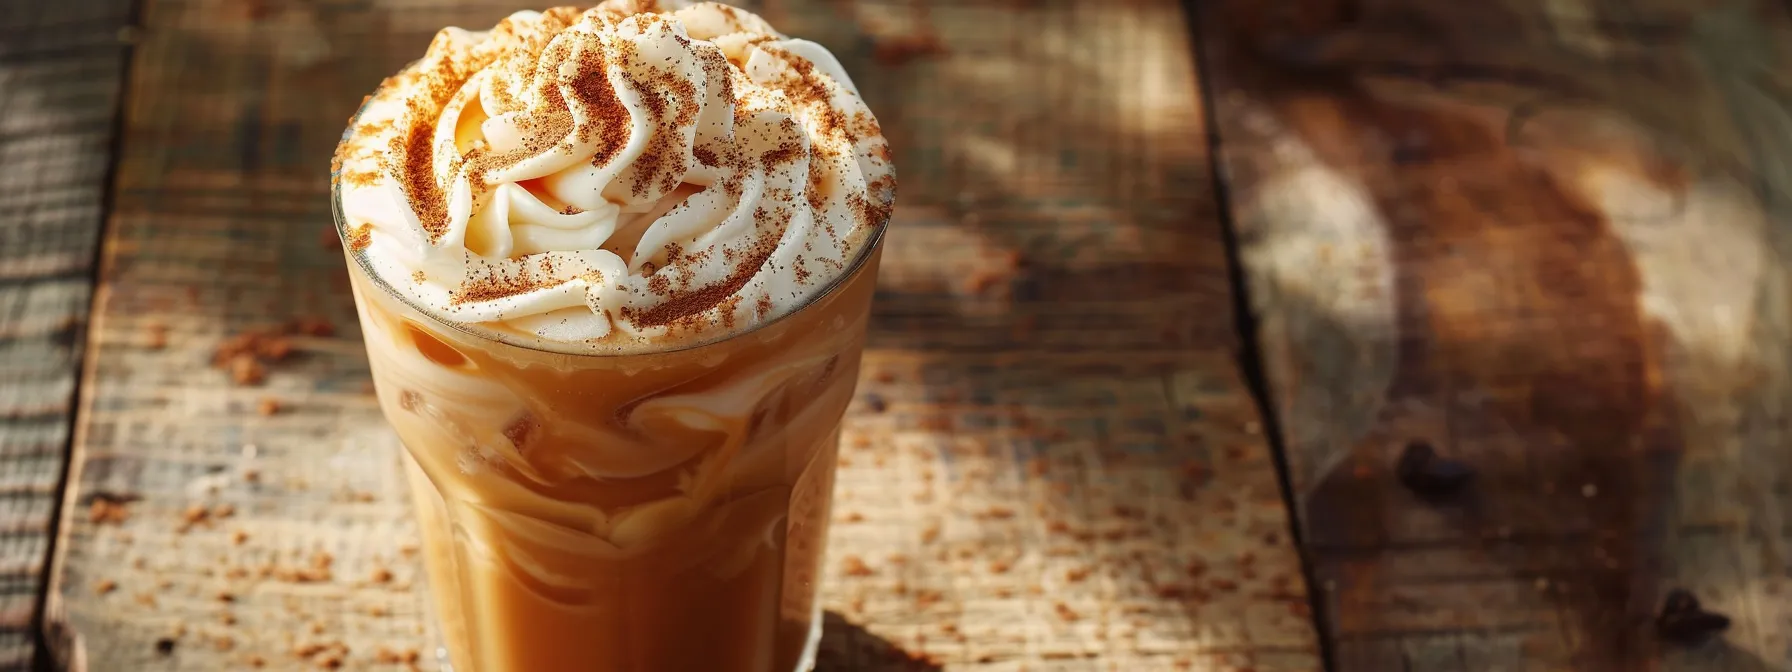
613 268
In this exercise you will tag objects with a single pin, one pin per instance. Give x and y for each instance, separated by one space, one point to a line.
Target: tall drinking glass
703 555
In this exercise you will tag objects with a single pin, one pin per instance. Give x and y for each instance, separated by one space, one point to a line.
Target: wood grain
1549 239
1053 463
60 70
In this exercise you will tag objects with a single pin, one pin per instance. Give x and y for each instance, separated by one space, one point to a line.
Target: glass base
804 664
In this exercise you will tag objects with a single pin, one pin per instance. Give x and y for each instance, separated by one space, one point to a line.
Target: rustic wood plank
1053 463
61 65
1549 239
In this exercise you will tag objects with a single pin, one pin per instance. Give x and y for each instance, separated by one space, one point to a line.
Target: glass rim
548 346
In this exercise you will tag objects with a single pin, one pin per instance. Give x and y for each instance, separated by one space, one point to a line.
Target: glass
643 512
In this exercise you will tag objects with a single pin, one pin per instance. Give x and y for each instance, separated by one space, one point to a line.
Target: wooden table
60 68
1548 240
1542 238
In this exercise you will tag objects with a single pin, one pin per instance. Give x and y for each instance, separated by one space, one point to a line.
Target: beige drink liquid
706 557
613 268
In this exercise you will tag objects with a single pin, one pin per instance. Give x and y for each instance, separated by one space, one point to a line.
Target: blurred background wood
60 71
1042 472
1549 239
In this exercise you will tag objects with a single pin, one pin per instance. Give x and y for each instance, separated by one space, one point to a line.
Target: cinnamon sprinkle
807 90
659 284
416 176
685 305
360 237
802 271
496 284
788 152
866 212
360 178
864 125
728 309
814 192
608 122
662 164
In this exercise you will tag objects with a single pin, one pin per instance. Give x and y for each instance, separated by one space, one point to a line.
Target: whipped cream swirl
626 176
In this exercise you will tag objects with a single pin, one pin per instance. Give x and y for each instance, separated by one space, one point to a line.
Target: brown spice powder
607 120
691 303
497 284
808 89
360 237
360 178
416 172
802 270
728 310
813 193
660 284
868 213
705 156
788 152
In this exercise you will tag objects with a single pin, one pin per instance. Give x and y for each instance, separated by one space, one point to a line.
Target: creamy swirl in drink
617 178
613 268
